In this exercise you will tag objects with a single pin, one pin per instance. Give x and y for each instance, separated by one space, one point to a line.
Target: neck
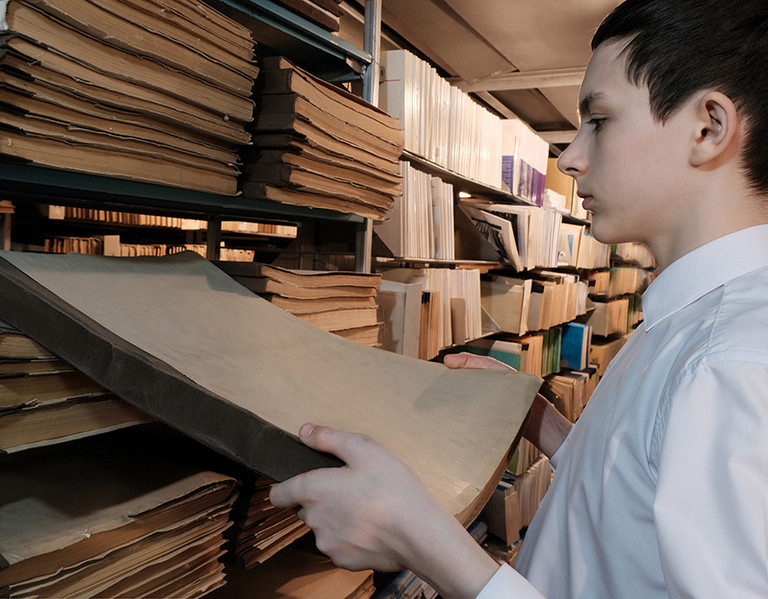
712 216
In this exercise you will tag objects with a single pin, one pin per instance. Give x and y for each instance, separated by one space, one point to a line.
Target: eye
596 123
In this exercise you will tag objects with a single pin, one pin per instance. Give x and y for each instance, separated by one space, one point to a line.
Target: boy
661 488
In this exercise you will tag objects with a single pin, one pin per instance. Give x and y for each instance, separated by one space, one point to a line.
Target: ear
717 130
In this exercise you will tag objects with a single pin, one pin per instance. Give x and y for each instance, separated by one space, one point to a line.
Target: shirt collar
704 269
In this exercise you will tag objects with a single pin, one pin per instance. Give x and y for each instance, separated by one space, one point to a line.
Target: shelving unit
279 31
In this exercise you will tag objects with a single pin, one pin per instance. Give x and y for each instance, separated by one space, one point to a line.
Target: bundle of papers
156 91
108 517
319 146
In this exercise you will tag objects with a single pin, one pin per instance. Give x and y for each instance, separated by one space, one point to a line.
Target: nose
573 161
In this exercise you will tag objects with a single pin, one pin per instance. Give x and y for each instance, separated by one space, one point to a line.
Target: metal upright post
364 237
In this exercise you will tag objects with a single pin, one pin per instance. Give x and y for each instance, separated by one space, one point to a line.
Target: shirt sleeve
711 505
508 584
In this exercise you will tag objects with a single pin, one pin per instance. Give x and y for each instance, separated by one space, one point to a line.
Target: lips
586 200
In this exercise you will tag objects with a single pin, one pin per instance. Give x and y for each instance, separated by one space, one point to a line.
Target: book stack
44 400
449 313
323 13
262 530
441 123
317 145
109 517
421 223
155 90
341 302
518 305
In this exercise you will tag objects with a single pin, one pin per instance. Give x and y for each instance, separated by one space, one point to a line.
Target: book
297 573
300 179
320 163
16 345
247 365
75 40
56 422
43 64
307 279
300 197
46 387
280 112
577 338
323 13
280 76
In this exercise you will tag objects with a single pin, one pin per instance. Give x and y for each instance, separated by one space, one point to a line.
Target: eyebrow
586 102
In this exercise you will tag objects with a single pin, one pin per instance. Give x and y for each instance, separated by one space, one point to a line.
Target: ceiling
522 58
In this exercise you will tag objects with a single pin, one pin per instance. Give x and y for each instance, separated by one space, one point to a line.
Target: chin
605 233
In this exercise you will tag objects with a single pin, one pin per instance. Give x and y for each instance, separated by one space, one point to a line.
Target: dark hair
679 47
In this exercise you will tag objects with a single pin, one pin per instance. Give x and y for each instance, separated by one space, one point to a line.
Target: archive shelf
275 30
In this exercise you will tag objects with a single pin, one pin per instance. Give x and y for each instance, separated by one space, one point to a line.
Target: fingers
468 360
344 445
299 490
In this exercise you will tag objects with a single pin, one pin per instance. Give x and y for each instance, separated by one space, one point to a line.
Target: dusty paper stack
44 400
156 91
319 146
340 302
107 517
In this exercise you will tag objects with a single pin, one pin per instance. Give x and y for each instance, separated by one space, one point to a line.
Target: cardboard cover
185 343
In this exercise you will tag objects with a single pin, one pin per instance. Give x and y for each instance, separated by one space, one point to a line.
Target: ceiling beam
525 80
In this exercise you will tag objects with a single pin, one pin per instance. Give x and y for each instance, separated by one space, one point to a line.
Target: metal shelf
300 40
27 183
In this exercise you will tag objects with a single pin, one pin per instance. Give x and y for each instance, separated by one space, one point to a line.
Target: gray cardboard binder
185 343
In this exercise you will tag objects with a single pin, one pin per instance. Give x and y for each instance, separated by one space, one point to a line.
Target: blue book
574 351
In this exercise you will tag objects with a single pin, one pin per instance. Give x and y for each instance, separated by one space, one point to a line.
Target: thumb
343 445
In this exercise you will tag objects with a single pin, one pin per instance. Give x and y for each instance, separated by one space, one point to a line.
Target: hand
468 360
545 427
375 513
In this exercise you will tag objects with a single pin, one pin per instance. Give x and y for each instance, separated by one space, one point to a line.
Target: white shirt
661 488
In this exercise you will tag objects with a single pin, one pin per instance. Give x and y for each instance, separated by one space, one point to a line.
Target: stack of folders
421 223
340 302
109 517
297 573
524 237
156 92
317 145
261 529
44 400
428 309
442 124
323 13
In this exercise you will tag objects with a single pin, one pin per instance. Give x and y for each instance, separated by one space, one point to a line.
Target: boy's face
630 168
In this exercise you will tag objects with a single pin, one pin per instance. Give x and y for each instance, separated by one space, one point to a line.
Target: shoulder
740 328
